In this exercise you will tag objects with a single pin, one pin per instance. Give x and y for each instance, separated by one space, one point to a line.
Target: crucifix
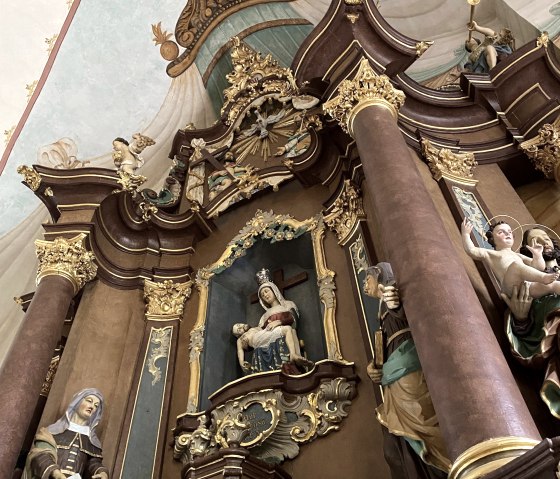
283 284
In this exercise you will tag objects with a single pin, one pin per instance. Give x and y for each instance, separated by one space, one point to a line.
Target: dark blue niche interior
229 303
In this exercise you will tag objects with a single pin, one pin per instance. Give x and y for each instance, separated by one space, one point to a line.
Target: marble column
64 267
481 412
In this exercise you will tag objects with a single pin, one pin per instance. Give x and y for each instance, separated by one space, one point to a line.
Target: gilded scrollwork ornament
196 344
30 176
165 300
130 182
544 150
422 46
367 88
358 255
542 40
254 76
346 211
273 425
49 378
443 163
160 342
67 258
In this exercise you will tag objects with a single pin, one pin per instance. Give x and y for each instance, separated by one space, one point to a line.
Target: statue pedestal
270 415
233 462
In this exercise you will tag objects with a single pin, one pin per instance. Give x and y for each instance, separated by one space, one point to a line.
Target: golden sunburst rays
261 132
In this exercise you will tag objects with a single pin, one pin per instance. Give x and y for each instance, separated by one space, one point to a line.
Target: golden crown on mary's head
263 276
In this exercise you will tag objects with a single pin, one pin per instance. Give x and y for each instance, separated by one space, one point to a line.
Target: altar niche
232 299
285 246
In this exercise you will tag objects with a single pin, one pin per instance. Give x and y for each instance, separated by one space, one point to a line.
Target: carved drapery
367 88
67 258
444 163
544 150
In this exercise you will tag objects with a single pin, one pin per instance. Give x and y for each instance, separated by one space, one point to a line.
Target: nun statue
70 448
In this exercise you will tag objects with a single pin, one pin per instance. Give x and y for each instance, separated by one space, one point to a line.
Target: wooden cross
278 280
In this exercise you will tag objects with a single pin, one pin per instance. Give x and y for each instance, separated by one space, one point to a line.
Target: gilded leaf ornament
343 215
542 40
443 163
165 300
30 176
67 258
544 150
367 88
160 342
285 422
254 76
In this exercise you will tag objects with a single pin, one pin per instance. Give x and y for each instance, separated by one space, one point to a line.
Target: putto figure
512 268
126 156
70 447
532 326
486 54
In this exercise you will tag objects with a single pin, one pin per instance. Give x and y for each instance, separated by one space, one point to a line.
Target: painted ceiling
77 74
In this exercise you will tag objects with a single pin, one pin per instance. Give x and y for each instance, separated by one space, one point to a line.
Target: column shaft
474 393
26 365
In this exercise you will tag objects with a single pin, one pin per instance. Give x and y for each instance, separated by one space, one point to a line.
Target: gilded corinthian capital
366 89
544 150
165 300
443 163
67 258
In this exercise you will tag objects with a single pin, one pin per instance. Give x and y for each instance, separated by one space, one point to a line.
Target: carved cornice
366 89
443 163
544 150
252 77
30 176
67 258
346 211
165 300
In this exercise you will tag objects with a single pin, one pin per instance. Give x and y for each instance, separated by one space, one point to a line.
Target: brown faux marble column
480 409
64 267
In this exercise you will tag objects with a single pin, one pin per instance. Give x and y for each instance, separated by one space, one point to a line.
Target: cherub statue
486 54
70 448
512 268
127 155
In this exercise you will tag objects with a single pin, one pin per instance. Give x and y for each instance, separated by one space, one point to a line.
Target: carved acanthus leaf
252 77
67 258
345 212
166 299
273 425
30 176
444 163
366 87
544 150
